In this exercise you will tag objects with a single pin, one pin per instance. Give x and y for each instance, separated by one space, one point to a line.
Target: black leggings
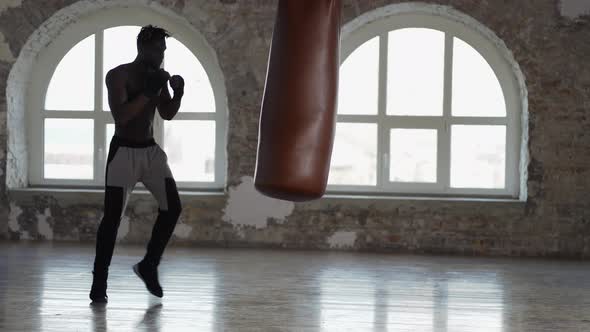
127 164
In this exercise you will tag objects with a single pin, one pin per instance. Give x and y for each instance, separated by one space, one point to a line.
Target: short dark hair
150 33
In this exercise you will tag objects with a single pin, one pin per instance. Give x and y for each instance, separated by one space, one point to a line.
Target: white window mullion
39 153
479 120
104 116
159 130
358 118
413 122
512 176
99 124
382 129
98 68
444 135
196 116
68 114
510 159
220 155
158 124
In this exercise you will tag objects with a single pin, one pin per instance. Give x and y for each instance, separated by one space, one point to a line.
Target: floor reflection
412 299
475 303
347 300
252 290
64 304
151 318
99 317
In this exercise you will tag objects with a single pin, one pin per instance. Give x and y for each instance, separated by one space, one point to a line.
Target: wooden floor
44 287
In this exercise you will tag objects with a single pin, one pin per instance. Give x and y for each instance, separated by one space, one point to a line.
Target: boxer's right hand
155 81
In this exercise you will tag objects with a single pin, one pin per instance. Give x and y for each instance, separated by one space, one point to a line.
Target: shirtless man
135 90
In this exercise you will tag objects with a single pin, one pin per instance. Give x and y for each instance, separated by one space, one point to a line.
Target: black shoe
98 291
149 274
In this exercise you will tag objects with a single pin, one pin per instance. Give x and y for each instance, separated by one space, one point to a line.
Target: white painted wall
246 206
342 240
5 4
5 53
43 226
574 8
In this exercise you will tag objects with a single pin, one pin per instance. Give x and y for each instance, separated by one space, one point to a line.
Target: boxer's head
151 44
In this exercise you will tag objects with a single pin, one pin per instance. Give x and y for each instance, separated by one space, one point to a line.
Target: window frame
48 61
506 76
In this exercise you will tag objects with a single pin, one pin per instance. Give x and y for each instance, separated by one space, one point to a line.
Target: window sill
91 194
50 190
72 196
442 199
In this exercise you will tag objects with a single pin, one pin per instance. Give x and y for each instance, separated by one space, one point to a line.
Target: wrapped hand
155 81
177 84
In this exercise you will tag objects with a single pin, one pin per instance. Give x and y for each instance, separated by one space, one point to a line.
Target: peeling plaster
5 4
25 235
182 231
240 232
123 228
246 206
5 53
15 212
342 240
574 8
43 227
143 207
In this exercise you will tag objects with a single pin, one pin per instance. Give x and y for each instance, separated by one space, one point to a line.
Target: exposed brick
550 49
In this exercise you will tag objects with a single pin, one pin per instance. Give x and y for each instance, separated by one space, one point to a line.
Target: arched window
70 117
426 106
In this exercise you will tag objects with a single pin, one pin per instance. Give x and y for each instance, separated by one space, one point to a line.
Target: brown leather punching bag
298 115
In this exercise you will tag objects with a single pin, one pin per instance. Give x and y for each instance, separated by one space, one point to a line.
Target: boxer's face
153 53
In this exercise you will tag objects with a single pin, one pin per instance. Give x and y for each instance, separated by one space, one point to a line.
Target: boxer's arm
169 106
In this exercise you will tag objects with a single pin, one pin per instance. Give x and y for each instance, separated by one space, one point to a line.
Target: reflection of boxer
135 90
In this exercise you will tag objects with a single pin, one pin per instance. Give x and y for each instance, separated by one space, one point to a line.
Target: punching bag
298 114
